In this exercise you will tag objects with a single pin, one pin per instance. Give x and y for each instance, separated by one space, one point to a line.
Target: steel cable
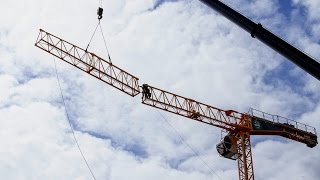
105 43
94 32
69 121
189 146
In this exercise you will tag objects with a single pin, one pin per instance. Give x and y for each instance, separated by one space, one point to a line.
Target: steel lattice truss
245 164
88 62
229 120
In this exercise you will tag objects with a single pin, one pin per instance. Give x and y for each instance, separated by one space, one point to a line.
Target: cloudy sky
181 46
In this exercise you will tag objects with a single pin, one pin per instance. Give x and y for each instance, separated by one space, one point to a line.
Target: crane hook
99 13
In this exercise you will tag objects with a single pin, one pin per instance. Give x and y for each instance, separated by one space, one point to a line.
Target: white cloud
313 7
276 160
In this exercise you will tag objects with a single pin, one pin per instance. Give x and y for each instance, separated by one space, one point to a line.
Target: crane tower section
88 62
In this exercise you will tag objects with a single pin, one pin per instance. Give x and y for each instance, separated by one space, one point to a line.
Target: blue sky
286 7
180 46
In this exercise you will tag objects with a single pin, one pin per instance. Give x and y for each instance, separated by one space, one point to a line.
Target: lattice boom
89 63
186 107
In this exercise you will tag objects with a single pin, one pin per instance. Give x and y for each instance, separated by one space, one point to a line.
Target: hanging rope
105 44
189 146
99 13
69 121
94 32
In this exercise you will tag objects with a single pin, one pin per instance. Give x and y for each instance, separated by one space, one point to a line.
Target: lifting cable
94 32
189 146
69 121
99 13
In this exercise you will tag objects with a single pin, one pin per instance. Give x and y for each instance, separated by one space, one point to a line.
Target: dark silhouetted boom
296 56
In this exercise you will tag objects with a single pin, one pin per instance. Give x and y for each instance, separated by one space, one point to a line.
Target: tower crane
240 126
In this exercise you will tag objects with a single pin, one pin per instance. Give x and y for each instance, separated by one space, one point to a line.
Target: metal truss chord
192 109
245 164
88 62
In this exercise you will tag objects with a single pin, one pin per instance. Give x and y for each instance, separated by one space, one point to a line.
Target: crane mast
236 145
245 163
256 30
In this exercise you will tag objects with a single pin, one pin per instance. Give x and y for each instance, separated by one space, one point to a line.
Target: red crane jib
229 120
89 63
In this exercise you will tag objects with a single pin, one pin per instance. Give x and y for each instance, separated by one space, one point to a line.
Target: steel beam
256 30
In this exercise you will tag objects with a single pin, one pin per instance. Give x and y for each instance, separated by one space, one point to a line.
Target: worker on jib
194 114
146 91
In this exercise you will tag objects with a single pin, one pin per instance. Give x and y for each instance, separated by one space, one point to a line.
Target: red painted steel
245 163
89 63
229 120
